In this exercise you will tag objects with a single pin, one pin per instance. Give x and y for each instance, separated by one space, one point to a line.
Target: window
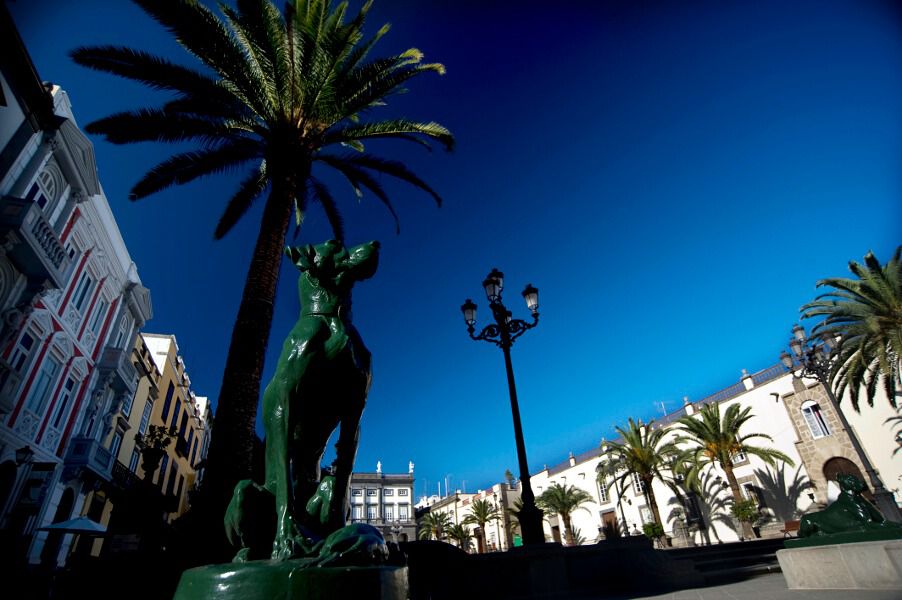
752 492
145 418
116 444
125 327
389 512
372 512
638 484
178 491
388 492
167 402
194 453
371 492
97 319
645 515
21 352
356 492
178 409
163 464
47 183
173 471
356 512
403 512
183 425
133 463
602 489
402 492
127 405
41 390
62 405
740 457
81 291
811 410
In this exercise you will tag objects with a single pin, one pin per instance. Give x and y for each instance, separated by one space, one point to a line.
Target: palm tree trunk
747 531
653 502
230 457
568 529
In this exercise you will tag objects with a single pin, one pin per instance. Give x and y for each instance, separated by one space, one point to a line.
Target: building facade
794 412
71 304
385 501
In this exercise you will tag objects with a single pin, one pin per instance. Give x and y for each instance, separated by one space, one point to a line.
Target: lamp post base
530 518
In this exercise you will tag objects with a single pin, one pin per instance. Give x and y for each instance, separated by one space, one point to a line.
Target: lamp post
813 358
502 333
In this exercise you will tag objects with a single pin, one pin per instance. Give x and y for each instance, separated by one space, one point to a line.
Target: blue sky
674 177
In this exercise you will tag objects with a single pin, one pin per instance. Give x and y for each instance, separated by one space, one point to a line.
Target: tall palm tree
461 535
641 452
866 315
434 525
562 500
716 440
482 512
280 95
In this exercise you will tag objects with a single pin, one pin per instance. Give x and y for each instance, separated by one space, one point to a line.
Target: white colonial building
72 303
385 500
794 412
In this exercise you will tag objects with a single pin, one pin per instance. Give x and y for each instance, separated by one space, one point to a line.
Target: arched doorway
52 545
838 464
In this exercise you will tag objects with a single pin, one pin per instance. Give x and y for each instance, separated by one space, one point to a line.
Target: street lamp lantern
502 332
469 310
786 359
493 285
815 360
531 295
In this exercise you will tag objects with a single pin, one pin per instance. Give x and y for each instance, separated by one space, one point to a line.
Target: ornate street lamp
813 359
502 333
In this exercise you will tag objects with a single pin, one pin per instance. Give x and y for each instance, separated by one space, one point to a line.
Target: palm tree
866 317
562 500
717 441
482 512
277 93
461 535
643 453
434 525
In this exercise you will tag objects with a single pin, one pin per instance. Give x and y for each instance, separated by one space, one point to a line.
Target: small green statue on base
320 384
850 513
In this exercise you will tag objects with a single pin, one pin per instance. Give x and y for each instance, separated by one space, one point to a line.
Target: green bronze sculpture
850 513
320 383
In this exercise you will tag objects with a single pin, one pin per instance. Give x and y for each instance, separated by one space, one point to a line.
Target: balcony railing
124 477
90 454
41 255
118 362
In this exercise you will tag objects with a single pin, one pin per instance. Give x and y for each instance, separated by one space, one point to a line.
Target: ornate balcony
37 251
87 453
118 362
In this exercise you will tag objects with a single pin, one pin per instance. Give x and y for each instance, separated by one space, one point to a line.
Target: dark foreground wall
439 571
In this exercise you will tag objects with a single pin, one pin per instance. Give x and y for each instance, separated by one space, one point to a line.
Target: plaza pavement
766 587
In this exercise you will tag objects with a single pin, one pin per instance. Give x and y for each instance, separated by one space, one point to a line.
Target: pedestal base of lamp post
885 502
531 529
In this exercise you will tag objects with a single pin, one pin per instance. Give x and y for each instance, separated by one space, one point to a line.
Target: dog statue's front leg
275 406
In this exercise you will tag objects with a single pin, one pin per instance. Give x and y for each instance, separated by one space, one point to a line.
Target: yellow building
163 397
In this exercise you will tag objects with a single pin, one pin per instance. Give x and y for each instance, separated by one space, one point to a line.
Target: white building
386 501
72 303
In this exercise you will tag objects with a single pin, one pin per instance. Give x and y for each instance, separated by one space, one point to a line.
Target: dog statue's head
332 265
850 483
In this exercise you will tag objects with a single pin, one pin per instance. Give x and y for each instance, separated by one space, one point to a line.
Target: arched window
811 410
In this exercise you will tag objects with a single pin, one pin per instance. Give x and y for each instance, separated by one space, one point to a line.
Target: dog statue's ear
301 256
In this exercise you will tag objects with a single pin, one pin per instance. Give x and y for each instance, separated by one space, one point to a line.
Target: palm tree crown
715 439
278 94
481 512
563 500
434 525
643 452
865 314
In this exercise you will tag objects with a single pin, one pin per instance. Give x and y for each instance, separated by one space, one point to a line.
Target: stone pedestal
857 566
289 580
